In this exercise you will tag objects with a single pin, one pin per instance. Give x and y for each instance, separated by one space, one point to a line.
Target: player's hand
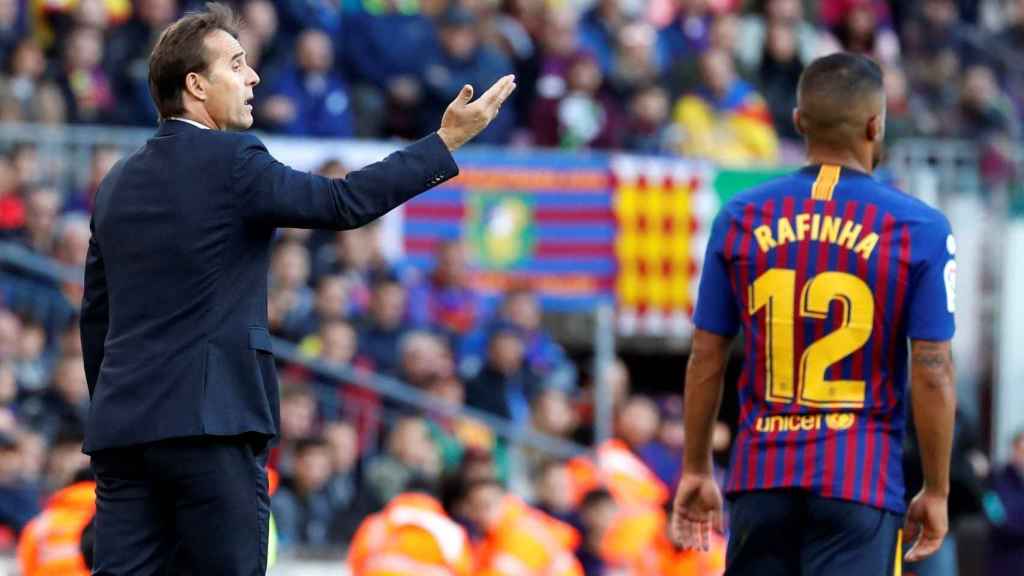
926 525
697 509
463 120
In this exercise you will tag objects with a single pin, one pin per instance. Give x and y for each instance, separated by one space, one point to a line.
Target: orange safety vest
411 536
50 545
527 542
616 468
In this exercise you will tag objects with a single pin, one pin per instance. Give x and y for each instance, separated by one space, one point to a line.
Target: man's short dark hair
837 93
181 50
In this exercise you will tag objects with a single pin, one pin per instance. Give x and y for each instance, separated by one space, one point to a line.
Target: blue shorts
797 533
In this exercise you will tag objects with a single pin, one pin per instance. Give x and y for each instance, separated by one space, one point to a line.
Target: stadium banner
578 228
541 220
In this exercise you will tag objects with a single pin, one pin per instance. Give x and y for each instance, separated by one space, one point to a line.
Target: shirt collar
192 122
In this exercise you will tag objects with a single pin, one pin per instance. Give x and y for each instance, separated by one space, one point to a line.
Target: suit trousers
195 506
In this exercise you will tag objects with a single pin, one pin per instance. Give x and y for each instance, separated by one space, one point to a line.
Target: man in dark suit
174 315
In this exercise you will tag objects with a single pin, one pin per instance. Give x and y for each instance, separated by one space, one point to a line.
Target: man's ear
796 121
195 85
875 130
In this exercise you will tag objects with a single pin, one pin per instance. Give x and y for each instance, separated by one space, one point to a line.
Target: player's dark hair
181 50
833 92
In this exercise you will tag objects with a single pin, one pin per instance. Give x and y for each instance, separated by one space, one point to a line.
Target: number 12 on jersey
775 291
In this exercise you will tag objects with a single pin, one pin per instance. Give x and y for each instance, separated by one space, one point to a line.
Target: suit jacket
174 313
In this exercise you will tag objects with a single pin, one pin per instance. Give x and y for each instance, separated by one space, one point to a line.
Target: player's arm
95 312
698 502
933 395
705 381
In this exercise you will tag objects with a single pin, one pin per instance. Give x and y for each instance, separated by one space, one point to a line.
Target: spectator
103 158
648 130
935 92
298 16
1006 47
424 357
684 73
19 497
663 454
445 299
12 207
127 50
688 33
12 28
1007 543
778 75
637 422
597 516
10 336
31 366
355 255
290 299
64 404
859 30
584 117
464 59
599 31
348 497
552 413
410 456
42 205
986 112
264 46
725 120
505 386
558 50
383 55
302 505
309 98
25 157
87 91
898 121
27 70
65 458
784 13
554 492
298 421
382 328
330 303
633 66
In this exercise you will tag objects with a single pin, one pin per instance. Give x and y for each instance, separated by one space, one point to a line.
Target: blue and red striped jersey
829 272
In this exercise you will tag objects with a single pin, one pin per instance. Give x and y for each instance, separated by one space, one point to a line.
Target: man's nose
254 79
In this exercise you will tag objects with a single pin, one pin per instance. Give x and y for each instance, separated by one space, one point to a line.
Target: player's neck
846 159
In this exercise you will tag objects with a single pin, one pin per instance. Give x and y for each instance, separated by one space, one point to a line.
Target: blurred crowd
714 79
705 78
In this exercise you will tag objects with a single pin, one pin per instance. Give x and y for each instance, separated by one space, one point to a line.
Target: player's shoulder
757 195
909 209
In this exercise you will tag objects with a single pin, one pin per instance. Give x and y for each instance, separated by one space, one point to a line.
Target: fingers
499 91
691 533
924 547
466 94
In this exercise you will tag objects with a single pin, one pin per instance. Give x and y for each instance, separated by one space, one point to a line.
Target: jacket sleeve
95 312
276 195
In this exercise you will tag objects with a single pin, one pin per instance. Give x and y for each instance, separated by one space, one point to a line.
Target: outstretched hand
463 119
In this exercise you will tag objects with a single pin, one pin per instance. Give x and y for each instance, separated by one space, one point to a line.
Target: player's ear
195 85
876 128
796 121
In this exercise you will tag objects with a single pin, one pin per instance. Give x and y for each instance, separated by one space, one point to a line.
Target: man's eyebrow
238 55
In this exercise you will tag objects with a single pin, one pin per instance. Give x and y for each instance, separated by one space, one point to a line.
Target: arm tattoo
932 355
928 359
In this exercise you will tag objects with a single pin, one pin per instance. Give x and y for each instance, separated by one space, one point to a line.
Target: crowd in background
694 77
711 78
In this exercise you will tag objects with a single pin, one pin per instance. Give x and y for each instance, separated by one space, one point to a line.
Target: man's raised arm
276 195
